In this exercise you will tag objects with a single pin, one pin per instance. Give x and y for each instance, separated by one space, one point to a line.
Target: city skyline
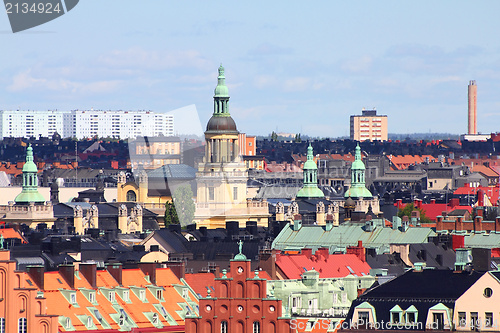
289 67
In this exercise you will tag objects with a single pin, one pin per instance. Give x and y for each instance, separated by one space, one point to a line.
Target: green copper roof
310 188
221 89
30 182
316 236
358 188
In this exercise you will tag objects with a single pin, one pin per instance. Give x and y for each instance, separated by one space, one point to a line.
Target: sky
291 66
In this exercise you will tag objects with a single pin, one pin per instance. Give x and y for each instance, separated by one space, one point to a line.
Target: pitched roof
328 266
316 236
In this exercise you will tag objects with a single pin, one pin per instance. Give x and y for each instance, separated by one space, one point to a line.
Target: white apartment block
30 123
82 124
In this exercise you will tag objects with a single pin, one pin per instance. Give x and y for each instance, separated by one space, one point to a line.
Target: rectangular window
142 294
126 296
159 294
462 321
474 321
488 319
235 193
395 317
2 325
72 298
111 296
410 317
211 194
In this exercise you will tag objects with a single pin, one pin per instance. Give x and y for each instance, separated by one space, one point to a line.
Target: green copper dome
358 188
310 188
358 163
30 182
29 166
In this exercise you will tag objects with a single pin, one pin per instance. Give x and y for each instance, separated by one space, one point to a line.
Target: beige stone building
369 126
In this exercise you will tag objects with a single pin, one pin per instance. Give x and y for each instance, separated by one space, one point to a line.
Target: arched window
223 326
256 327
131 196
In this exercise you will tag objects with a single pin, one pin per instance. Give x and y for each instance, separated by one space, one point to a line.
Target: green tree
406 211
297 138
170 214
183 204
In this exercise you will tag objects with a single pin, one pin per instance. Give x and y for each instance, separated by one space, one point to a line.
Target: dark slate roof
391 262
429 252
427 284
173 171
175 240
222 250
458 212
423 290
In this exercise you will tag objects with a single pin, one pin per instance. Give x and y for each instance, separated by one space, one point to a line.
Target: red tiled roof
490 192
200 281
328 266
486 171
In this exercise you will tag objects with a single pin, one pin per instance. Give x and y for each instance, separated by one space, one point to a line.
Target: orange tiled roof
11 233
486 171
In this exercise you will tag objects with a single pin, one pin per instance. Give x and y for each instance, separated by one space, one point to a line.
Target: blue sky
290 66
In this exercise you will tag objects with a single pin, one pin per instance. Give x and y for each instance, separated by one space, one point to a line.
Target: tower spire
310 188
358 189
30 182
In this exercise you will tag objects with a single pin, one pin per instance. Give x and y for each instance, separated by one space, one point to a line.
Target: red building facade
239 305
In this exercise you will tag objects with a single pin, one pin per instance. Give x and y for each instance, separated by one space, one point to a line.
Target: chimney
68 273
307 252
472 110
179 268
297 222
459 226
36 273
115 270
149 268
267 261
89 271
478 224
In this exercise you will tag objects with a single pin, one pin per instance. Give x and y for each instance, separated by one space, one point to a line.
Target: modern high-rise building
85 124
369 126
472 110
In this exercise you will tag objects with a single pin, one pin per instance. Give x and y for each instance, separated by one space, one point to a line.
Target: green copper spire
30 182
310 188
358 188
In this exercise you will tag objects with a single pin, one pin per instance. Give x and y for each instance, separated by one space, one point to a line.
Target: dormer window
159 294
89 322
185 293
155 319
396 314
92 297
68 323
142 294
72 298
111 296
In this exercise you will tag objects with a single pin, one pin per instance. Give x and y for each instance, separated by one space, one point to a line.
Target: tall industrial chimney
472 107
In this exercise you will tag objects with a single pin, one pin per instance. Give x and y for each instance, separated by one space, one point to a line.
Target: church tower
358 188
30 182
221 136
222 176
358 197
310 188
